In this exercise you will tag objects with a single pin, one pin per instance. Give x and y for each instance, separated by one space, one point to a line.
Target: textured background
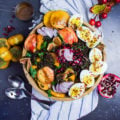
20 109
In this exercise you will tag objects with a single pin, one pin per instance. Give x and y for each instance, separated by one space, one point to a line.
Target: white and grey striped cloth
77 108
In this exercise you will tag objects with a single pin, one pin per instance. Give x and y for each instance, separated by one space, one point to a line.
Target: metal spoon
15 93
16 81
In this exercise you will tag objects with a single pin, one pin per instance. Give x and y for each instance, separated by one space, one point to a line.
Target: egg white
95 55
92 43
79 32
101 67
75 21
77 85
88 74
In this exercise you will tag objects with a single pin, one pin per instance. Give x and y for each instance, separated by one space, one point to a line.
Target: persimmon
4 43
39 41
46 19
5 54
4 64
15 39
59 19
45 75
16 52
30 43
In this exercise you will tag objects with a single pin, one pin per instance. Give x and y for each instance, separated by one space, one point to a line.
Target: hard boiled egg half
84 33
95 55
95 40
98 67
75 21
77 90
87 78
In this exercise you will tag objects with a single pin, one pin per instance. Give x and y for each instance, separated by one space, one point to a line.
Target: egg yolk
85 35
97 67
75 22
88 79
92 42
76 92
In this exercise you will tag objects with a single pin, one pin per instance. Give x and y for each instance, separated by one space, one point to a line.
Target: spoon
16 93
16 81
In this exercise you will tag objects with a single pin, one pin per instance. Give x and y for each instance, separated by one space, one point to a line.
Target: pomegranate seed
5 34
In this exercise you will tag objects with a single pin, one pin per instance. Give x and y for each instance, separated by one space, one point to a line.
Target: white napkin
76 109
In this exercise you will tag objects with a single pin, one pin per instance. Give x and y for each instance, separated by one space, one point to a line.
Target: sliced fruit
30 43
59 19
4 43
69 75
108 85
56 94
85 34
77 90
51 46
43 86
72 77
4 64
75 21
87 78
56 61
46 19
16 53
16 39
39 41
57 41
45 75
5 54
95 55
68 35
98 67
69 70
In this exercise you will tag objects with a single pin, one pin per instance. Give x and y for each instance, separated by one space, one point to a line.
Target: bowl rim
42 92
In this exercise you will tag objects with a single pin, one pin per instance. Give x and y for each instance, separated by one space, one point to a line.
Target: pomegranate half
108 85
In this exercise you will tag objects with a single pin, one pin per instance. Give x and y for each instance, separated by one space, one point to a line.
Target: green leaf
54 83
49 93
44 45
97 9
28 54
33 72
40 54
60 37
58 67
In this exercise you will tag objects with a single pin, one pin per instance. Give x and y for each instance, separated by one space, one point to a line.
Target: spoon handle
37 99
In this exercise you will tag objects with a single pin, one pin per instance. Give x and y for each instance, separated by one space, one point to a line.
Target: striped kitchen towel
76 109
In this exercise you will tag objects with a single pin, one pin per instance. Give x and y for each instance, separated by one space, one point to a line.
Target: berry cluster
103 14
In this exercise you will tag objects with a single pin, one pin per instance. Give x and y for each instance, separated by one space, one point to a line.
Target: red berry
108 7
117 1
92 22
104 15
98 24
102 1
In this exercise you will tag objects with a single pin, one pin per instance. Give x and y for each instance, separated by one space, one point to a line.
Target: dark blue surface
20 109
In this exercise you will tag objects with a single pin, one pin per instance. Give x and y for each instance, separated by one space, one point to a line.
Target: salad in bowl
64 57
